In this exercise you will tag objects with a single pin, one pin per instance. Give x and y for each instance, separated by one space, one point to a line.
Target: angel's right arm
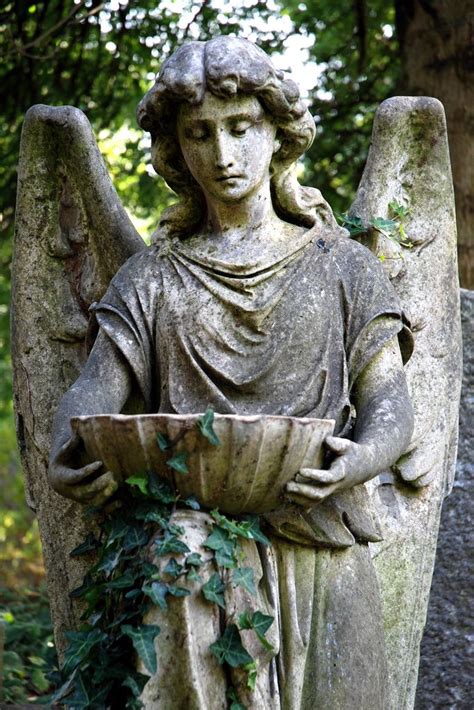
104 386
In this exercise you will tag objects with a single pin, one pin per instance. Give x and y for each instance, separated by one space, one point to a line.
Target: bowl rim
246 418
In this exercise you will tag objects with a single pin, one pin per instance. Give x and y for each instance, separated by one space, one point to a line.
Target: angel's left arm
382 432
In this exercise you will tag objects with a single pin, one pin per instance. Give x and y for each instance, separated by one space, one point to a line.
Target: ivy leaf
252 671
109 561
157 592
140 481
87 695
213 590
240 528
160 489
234 698
352 224
92 596
245 620
173 568
89 545
243 577
223 545
399 211
135 537
65 689
117 530
150 512
134 704
205 426
228 649
248 527
81 591
122 582
148 569
170 543
132 594
193 503
96 617
163 442
80 645
260 623
193 576
387 227
178 462
176 529
194 560
254 531
143 639
136 682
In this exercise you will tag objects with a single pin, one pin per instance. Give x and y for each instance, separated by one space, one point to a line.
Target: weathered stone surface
409 162
66 250
446 677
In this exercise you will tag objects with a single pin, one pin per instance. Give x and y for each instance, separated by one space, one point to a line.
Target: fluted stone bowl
246 473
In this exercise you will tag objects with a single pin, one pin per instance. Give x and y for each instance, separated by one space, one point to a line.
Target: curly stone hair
226 66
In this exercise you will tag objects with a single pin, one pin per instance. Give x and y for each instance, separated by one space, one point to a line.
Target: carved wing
72 235
409 162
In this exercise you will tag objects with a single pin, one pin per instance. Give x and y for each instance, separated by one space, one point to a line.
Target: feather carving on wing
72 235
408 164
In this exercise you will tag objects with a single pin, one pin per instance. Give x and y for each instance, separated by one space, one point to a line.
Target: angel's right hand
68 481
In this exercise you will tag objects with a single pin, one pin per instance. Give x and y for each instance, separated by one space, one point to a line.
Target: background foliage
101 56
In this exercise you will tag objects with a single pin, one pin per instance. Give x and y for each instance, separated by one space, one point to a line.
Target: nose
223 147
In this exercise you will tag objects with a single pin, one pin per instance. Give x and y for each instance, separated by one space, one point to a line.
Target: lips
223 178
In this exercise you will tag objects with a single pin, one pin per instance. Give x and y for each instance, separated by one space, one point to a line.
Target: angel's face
227 145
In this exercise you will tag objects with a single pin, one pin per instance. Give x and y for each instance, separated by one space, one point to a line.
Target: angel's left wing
408 175
71 236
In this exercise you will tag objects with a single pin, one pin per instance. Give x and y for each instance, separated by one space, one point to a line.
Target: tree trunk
436 41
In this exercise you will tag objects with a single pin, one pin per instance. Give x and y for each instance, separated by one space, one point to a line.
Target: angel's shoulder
353 260
144 267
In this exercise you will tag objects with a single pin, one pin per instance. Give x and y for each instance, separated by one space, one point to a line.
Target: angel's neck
239 220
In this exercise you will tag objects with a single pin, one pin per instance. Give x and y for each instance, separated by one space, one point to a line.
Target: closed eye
241 128
197 135
196 131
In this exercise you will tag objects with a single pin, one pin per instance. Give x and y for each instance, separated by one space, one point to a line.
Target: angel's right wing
71 236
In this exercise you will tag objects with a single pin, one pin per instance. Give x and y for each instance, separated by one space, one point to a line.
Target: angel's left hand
354 463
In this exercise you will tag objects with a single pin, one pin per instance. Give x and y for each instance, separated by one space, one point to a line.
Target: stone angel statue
252 300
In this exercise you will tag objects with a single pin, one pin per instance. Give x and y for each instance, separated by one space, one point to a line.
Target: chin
233 193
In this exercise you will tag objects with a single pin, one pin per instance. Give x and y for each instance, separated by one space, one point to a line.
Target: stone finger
310 492
337 444
89 490
319 475
75 476
104 495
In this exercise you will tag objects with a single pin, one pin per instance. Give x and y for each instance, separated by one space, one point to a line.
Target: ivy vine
392 228
123 584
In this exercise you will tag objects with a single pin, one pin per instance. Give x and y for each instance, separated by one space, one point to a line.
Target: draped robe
286 333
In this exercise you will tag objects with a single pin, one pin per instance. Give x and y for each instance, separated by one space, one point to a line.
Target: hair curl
226 66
